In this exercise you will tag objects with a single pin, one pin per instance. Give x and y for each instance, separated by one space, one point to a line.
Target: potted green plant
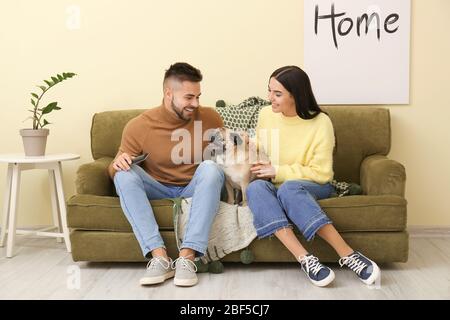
35 139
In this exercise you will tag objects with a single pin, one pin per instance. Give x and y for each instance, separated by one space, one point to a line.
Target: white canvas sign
357 51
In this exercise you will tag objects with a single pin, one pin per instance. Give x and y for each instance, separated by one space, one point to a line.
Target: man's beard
178 112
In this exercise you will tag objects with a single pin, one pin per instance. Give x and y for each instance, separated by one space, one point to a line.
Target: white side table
16 164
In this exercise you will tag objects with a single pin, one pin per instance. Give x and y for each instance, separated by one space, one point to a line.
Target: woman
299 139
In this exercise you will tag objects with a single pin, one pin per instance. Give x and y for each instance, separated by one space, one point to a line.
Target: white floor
42 269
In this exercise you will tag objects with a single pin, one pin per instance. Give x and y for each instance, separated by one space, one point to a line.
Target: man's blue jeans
294 200
136 187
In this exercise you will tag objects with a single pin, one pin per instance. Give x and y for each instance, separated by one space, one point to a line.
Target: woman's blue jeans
136 187
294 200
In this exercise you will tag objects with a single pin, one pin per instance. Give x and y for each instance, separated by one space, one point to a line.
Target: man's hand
122 162
264 170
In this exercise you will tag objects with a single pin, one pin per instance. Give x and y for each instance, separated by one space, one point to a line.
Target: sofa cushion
352 213
366 213
91 212
243 116
103 246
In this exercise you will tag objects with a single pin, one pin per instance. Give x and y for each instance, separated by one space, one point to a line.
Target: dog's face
230 147
225 140
232 152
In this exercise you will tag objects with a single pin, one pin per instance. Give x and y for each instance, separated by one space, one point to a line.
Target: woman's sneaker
158 270
319 274
367 270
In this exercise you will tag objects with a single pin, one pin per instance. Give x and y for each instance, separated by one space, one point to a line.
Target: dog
234 152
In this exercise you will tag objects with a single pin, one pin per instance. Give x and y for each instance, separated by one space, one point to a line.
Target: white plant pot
34 141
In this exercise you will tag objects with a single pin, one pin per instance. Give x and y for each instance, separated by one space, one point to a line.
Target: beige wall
121 50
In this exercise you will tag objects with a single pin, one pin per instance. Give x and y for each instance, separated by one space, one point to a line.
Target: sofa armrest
380 175
93 178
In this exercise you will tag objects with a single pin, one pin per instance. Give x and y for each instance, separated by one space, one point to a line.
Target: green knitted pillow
243 116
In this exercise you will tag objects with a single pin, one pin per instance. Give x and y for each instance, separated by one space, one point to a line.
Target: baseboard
429 231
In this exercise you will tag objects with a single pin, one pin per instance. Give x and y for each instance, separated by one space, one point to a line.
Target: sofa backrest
360 132
106 131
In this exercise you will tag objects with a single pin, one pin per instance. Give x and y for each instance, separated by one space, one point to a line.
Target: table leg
55 208
15 189
6 203
62 204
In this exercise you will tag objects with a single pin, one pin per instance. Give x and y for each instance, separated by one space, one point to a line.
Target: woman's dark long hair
297 82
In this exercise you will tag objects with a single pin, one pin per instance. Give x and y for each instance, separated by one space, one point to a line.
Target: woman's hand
264 170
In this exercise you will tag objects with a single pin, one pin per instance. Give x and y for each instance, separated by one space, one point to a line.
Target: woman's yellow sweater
298 148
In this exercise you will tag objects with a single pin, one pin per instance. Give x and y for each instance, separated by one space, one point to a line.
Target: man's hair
182 71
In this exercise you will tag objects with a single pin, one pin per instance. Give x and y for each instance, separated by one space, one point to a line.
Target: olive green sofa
373 223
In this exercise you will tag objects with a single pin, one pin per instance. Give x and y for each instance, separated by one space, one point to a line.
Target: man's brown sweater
174 149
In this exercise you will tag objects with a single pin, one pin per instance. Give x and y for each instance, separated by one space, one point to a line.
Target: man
170 171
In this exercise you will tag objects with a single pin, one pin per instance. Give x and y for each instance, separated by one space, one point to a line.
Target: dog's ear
215 133
237 140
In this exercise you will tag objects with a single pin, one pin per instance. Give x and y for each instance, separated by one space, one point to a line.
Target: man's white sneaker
185 272
159 269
